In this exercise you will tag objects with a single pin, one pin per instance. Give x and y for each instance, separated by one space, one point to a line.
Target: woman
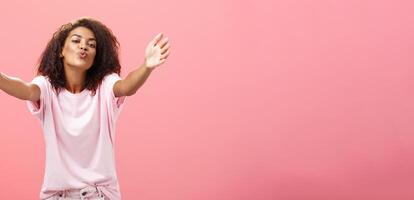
77 96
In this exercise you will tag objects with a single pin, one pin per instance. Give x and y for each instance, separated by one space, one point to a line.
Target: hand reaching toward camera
157 51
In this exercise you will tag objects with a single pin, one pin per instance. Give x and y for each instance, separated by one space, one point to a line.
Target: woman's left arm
156 54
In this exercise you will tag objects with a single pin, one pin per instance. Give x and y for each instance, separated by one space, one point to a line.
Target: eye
75 41
92 45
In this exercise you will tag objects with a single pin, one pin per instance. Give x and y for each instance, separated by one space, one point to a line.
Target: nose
83 46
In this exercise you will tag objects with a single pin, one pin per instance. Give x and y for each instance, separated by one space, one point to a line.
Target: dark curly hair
106 59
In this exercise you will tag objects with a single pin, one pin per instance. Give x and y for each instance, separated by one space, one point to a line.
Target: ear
60 55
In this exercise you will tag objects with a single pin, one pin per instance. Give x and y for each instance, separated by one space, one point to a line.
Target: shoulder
41 81
40 78
110 79
111 76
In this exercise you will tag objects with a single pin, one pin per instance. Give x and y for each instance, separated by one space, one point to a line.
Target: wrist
146 67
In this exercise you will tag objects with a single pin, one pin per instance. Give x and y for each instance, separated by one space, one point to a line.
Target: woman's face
80 49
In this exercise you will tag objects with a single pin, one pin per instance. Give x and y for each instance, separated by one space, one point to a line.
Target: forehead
82 32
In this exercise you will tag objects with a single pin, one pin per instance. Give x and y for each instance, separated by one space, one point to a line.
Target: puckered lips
82 54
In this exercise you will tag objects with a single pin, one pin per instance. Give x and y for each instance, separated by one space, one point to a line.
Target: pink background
259 100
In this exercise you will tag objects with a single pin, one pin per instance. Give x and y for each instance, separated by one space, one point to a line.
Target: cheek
68 50
72 48
93 56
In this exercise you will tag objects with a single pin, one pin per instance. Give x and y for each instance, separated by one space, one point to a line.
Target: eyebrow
81 36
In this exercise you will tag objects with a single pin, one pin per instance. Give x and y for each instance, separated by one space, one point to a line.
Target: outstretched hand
157 51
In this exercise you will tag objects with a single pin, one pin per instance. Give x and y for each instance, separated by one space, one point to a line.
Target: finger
162 61
165 48
163 42
157 39
165 55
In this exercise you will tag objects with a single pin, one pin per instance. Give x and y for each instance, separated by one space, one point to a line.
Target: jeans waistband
89 191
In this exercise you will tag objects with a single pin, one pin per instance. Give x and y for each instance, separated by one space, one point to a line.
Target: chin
82 66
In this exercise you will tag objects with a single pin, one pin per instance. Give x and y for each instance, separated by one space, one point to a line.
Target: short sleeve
115 104
38 108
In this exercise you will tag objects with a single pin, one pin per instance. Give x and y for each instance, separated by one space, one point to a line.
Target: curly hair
106 59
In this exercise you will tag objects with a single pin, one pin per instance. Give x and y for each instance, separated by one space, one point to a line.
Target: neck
75 79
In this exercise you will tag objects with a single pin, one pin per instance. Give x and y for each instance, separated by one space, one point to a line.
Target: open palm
157 51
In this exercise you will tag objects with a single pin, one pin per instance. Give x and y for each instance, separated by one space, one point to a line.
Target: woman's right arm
19 89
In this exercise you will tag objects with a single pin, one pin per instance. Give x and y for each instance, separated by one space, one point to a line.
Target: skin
81 39
156 54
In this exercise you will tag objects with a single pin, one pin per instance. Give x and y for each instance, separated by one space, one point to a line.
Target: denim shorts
87 193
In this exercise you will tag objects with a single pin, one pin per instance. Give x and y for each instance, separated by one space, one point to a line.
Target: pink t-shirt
79 134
